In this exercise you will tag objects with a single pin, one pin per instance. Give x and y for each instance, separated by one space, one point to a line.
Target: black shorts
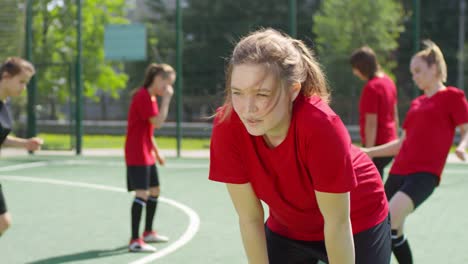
3 207
381 163
418 186
142 177
372 246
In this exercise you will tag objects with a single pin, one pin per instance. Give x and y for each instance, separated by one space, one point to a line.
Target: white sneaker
153 237
138 245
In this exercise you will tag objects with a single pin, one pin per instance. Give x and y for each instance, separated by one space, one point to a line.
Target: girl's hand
461 154
33 144
159 157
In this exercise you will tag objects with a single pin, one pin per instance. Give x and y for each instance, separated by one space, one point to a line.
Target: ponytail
432 54
314 82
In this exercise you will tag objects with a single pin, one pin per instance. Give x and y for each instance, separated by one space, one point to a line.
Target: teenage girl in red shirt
421 151
378 112
141 152
276 140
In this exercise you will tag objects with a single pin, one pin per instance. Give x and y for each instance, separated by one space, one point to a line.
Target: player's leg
414 191
381 163
401 206
5 222
150 234
5 218
138 181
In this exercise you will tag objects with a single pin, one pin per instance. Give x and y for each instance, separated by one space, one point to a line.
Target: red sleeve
459 108
329 160
226 160
369 99
145 106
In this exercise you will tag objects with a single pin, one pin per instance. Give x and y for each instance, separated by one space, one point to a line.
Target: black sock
151 206
401 249
137 208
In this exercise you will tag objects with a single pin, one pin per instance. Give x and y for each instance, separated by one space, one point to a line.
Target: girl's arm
386 150
335 209
250 212
370 129
30 144
158 155
158 120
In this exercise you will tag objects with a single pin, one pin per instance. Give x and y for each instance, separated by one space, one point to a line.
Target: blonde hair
288 58
432 54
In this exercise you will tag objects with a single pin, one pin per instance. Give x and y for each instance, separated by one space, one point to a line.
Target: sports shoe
153 237
138 245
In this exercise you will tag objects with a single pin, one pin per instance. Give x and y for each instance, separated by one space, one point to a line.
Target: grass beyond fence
62 141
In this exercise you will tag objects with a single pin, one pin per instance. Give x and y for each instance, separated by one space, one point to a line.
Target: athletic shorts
381 163
3 207
372 246
142 177
418 186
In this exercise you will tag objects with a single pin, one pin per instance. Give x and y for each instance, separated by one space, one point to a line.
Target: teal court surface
76 210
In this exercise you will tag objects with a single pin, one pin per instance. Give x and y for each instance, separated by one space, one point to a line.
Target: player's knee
5 223
142 194
155 191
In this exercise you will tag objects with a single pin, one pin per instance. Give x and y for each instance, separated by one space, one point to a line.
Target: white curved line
189 233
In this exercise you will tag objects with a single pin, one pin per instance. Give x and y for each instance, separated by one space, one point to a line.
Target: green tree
11 28
438 22
344 25
54 48
210 30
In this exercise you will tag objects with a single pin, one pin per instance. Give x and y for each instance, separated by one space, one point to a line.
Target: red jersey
138 142
316 155
430 127
379 96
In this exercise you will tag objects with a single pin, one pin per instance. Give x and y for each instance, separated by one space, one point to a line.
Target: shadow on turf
91 254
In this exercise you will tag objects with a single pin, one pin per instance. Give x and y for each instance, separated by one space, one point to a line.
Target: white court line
114 163
24 166
92 162
194 219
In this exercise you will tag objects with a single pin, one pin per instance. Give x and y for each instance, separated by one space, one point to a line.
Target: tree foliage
11 28
439 21
344 25
55 46
210 30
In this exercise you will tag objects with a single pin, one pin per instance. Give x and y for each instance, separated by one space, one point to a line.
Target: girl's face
15 85
424 76
261 103
358 74
160 84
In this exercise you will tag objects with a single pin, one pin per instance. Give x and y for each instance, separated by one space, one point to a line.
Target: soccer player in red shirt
432 117
15 73
276 140
378 114
141 152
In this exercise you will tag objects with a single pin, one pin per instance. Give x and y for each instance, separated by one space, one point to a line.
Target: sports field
70 209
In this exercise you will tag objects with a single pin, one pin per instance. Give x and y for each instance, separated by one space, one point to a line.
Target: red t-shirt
430 127
379 96
138 143
316 154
